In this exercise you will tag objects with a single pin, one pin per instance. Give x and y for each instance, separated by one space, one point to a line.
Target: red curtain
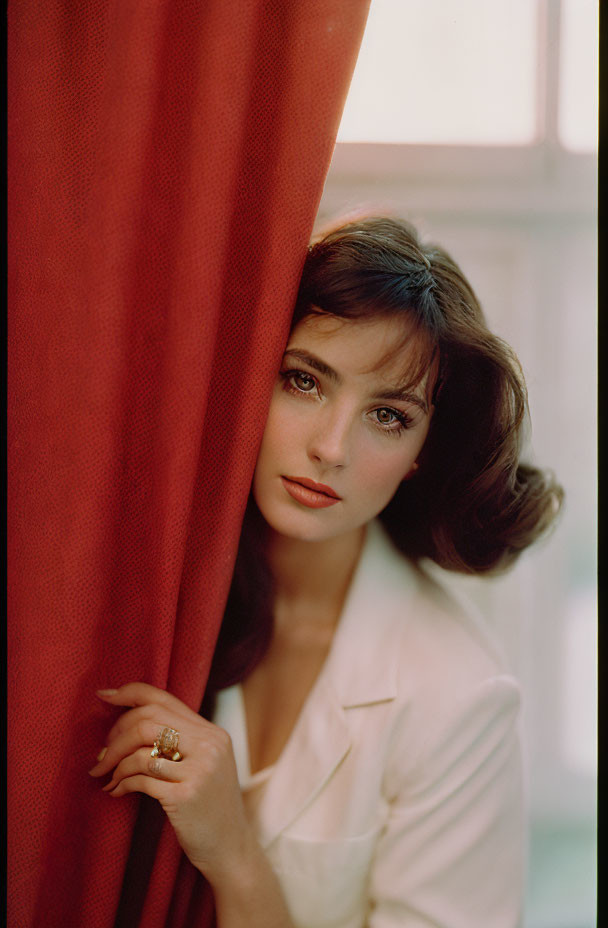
166 160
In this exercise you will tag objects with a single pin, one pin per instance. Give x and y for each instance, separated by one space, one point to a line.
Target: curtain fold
166 161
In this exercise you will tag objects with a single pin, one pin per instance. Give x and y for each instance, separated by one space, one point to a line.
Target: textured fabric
397 801
166 160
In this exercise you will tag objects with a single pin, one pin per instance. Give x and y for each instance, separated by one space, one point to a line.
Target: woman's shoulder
405 617
456 703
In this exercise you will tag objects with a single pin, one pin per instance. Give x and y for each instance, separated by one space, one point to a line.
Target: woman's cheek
283 425
382 476
290 415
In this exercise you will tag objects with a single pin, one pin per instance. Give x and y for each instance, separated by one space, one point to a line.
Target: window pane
578 96
445 71
579 694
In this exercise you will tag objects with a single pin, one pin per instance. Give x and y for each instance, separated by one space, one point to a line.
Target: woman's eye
303 382
391 420
299 382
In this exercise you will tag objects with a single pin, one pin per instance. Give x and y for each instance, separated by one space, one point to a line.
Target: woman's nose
330 438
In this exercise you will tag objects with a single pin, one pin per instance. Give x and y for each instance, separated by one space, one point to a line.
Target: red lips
318 487
309 493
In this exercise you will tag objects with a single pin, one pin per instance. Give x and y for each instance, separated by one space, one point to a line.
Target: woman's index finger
142 694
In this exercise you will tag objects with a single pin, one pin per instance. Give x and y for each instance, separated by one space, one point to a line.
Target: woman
371 774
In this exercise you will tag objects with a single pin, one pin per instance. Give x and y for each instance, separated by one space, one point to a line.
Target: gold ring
166 745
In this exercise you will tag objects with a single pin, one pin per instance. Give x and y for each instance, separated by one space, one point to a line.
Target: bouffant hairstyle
472 506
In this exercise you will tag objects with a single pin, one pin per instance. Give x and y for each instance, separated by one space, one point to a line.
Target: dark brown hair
472 506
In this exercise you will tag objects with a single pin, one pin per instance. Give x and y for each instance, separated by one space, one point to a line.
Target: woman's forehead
392 348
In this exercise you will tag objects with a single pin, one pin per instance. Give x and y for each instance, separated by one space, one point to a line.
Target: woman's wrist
246 890
239 867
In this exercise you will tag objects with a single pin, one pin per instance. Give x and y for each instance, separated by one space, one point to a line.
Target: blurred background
477 121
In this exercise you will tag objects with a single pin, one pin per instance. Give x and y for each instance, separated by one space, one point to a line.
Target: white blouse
397 801
231 707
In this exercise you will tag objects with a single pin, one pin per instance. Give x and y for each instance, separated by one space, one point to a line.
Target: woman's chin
308 526
296 531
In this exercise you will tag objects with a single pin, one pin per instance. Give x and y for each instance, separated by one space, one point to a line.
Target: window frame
567 179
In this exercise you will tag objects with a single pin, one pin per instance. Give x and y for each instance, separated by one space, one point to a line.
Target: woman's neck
312 578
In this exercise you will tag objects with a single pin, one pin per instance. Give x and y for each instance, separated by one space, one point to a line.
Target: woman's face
341 432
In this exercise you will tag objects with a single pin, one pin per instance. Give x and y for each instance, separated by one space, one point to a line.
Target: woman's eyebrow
404 395
315 363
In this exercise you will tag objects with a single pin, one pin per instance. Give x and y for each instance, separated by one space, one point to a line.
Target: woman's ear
411 471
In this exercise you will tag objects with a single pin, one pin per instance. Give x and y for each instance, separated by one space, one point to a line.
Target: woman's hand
199 793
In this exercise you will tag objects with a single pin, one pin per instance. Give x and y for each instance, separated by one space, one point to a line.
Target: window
471 87
417 76
578 86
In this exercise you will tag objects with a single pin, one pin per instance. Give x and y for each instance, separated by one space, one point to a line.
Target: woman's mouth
311 494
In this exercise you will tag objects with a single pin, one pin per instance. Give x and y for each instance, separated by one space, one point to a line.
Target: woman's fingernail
106 692
102 754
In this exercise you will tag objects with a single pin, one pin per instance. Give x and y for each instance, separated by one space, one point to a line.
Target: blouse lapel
360 670
318 743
